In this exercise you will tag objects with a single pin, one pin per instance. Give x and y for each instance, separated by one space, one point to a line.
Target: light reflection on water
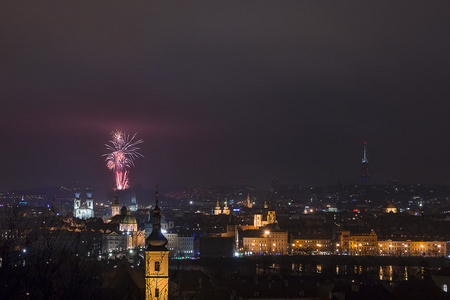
388 273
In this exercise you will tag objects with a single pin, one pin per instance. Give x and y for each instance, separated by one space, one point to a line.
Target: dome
156 240
129 219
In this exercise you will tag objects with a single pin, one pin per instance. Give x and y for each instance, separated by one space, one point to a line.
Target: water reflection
387 273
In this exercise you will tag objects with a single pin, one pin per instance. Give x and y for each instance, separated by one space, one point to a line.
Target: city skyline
225 93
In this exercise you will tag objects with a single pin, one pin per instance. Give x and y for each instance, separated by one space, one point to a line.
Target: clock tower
156 260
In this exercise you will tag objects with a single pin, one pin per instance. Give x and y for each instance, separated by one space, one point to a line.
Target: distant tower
249 202
115 206
271 216
76 202
217 210
226 209
365 167
156 260
133 205
89 199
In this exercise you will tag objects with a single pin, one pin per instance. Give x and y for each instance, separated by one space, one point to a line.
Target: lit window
445 288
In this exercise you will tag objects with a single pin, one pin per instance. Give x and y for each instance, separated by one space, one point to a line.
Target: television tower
365 167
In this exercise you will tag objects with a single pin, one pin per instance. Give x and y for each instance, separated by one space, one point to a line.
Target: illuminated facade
357 244
120 241
83 210
249 202
390 209
156 261
412 248
115 206
265 242
226 209
218 210
261 220
368 244
128 223
316 245
133 204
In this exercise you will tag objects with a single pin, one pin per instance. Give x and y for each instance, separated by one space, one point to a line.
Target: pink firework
124 151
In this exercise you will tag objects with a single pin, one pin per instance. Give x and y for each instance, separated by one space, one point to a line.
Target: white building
133 204
83 210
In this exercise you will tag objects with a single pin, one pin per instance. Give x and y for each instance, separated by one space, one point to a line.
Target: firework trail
123 152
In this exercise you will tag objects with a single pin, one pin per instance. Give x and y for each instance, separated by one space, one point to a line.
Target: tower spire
364 160
156 194
365 166
156 260
156 239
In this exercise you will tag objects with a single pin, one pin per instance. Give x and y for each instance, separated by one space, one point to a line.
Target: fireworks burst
124 151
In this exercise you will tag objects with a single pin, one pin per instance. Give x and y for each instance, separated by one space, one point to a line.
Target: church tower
156 260
76 203
89 199
133 204
217 210
249 202
226 209
271 216
115 206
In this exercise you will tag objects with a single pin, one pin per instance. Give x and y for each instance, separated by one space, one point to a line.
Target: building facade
83 210
311 245
265 241
412 248
357 243
115 206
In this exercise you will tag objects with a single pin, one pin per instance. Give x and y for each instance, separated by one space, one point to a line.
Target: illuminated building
265 241
226 209
133 204
390 208
412 248
260 220
271 217
311 245
218 210
365 167
115 206
156 261
83 210
128 223
249 202
357 244
127 237
257 220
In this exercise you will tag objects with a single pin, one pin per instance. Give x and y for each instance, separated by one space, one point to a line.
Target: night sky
225 93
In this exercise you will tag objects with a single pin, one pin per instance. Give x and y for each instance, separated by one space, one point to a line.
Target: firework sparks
123 152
